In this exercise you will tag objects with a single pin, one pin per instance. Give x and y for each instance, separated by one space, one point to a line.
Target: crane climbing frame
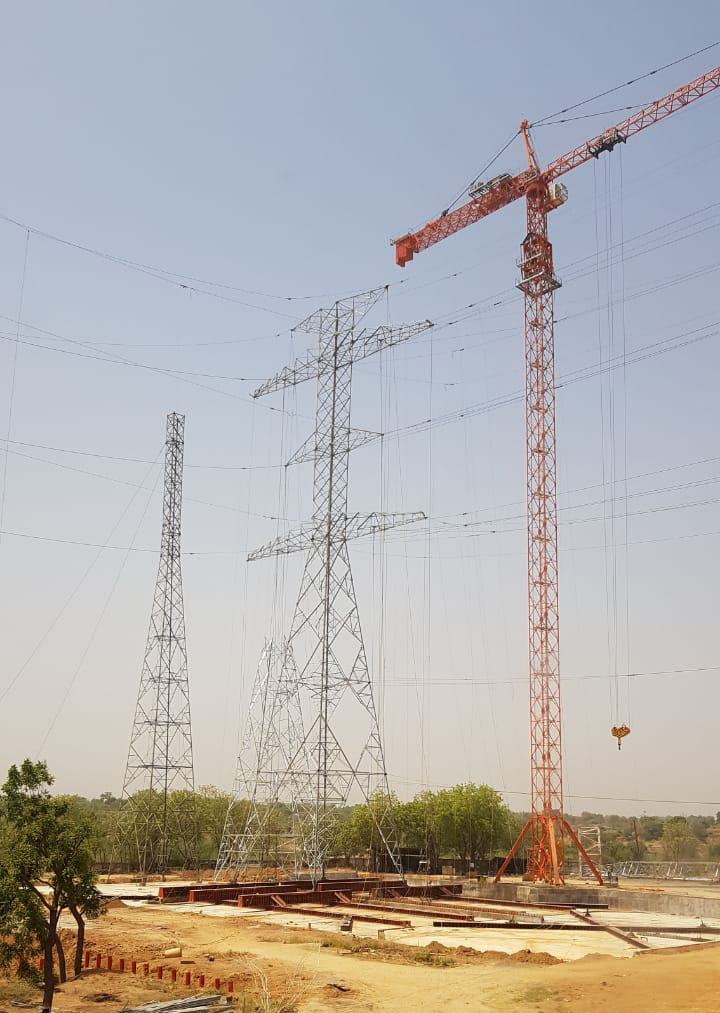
547 825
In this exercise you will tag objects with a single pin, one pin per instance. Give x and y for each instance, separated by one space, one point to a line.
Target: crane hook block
620 732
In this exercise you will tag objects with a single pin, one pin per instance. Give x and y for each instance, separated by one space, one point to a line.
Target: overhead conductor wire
98 622
13 374
76 588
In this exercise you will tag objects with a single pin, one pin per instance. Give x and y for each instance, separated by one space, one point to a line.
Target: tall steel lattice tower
544 832
158 797
328 743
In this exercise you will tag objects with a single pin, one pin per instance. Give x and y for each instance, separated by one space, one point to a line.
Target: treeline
655 838
192 839
468 823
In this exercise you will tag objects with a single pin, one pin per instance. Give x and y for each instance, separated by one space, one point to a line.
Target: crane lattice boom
513 187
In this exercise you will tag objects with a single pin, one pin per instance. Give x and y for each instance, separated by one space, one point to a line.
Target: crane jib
510 189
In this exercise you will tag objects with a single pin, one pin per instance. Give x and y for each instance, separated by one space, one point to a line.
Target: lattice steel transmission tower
331 745
160 757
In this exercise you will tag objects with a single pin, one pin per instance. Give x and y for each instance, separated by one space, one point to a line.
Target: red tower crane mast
547 824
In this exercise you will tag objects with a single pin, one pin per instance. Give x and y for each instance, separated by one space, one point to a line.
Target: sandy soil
385 979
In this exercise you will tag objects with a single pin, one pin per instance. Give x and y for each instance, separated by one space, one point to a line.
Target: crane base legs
542 866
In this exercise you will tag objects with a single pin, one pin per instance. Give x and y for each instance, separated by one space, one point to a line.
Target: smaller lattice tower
312 733
158 796
591 841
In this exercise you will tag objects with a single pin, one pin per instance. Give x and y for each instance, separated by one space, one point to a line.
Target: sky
182 183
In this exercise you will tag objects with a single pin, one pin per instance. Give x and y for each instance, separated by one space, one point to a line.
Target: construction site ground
284 960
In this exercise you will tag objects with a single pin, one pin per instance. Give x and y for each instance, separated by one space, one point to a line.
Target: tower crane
543 193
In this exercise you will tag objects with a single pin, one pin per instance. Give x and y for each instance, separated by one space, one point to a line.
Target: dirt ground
282 968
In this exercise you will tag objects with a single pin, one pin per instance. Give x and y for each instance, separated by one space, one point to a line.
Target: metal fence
705 872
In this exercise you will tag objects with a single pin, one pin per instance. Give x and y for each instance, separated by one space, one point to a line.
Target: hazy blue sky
270 151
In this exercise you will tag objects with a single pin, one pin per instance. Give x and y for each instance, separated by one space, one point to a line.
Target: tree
46 866
699 826
360 829
651 827
352 832
419 823
474 822
678 840
213 806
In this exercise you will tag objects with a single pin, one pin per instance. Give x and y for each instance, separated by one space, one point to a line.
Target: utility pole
160 757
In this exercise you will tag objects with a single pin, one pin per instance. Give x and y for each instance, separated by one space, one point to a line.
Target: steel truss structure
273 726
705 872
312 731
545 831
160 757
591 840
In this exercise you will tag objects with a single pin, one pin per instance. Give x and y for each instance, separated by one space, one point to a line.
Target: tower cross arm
300 370
372 524
368 343
362 344
310 449
356 526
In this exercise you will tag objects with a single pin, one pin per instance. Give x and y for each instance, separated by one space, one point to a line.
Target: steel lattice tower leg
158 796
547 825
272 731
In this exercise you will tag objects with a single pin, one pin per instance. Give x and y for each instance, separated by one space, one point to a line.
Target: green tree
475 823
700 825
419 823
212 812
678 840
360 830
651 827
46 866
352 832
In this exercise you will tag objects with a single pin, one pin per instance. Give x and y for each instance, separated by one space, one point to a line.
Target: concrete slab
564 945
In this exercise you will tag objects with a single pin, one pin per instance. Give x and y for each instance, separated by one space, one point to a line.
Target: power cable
588 116
447 530
120 481
189 284
633 80
521 680
594 798
512 554
141 460
13 375
469 411
99 620
649 351
113 359
70 598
